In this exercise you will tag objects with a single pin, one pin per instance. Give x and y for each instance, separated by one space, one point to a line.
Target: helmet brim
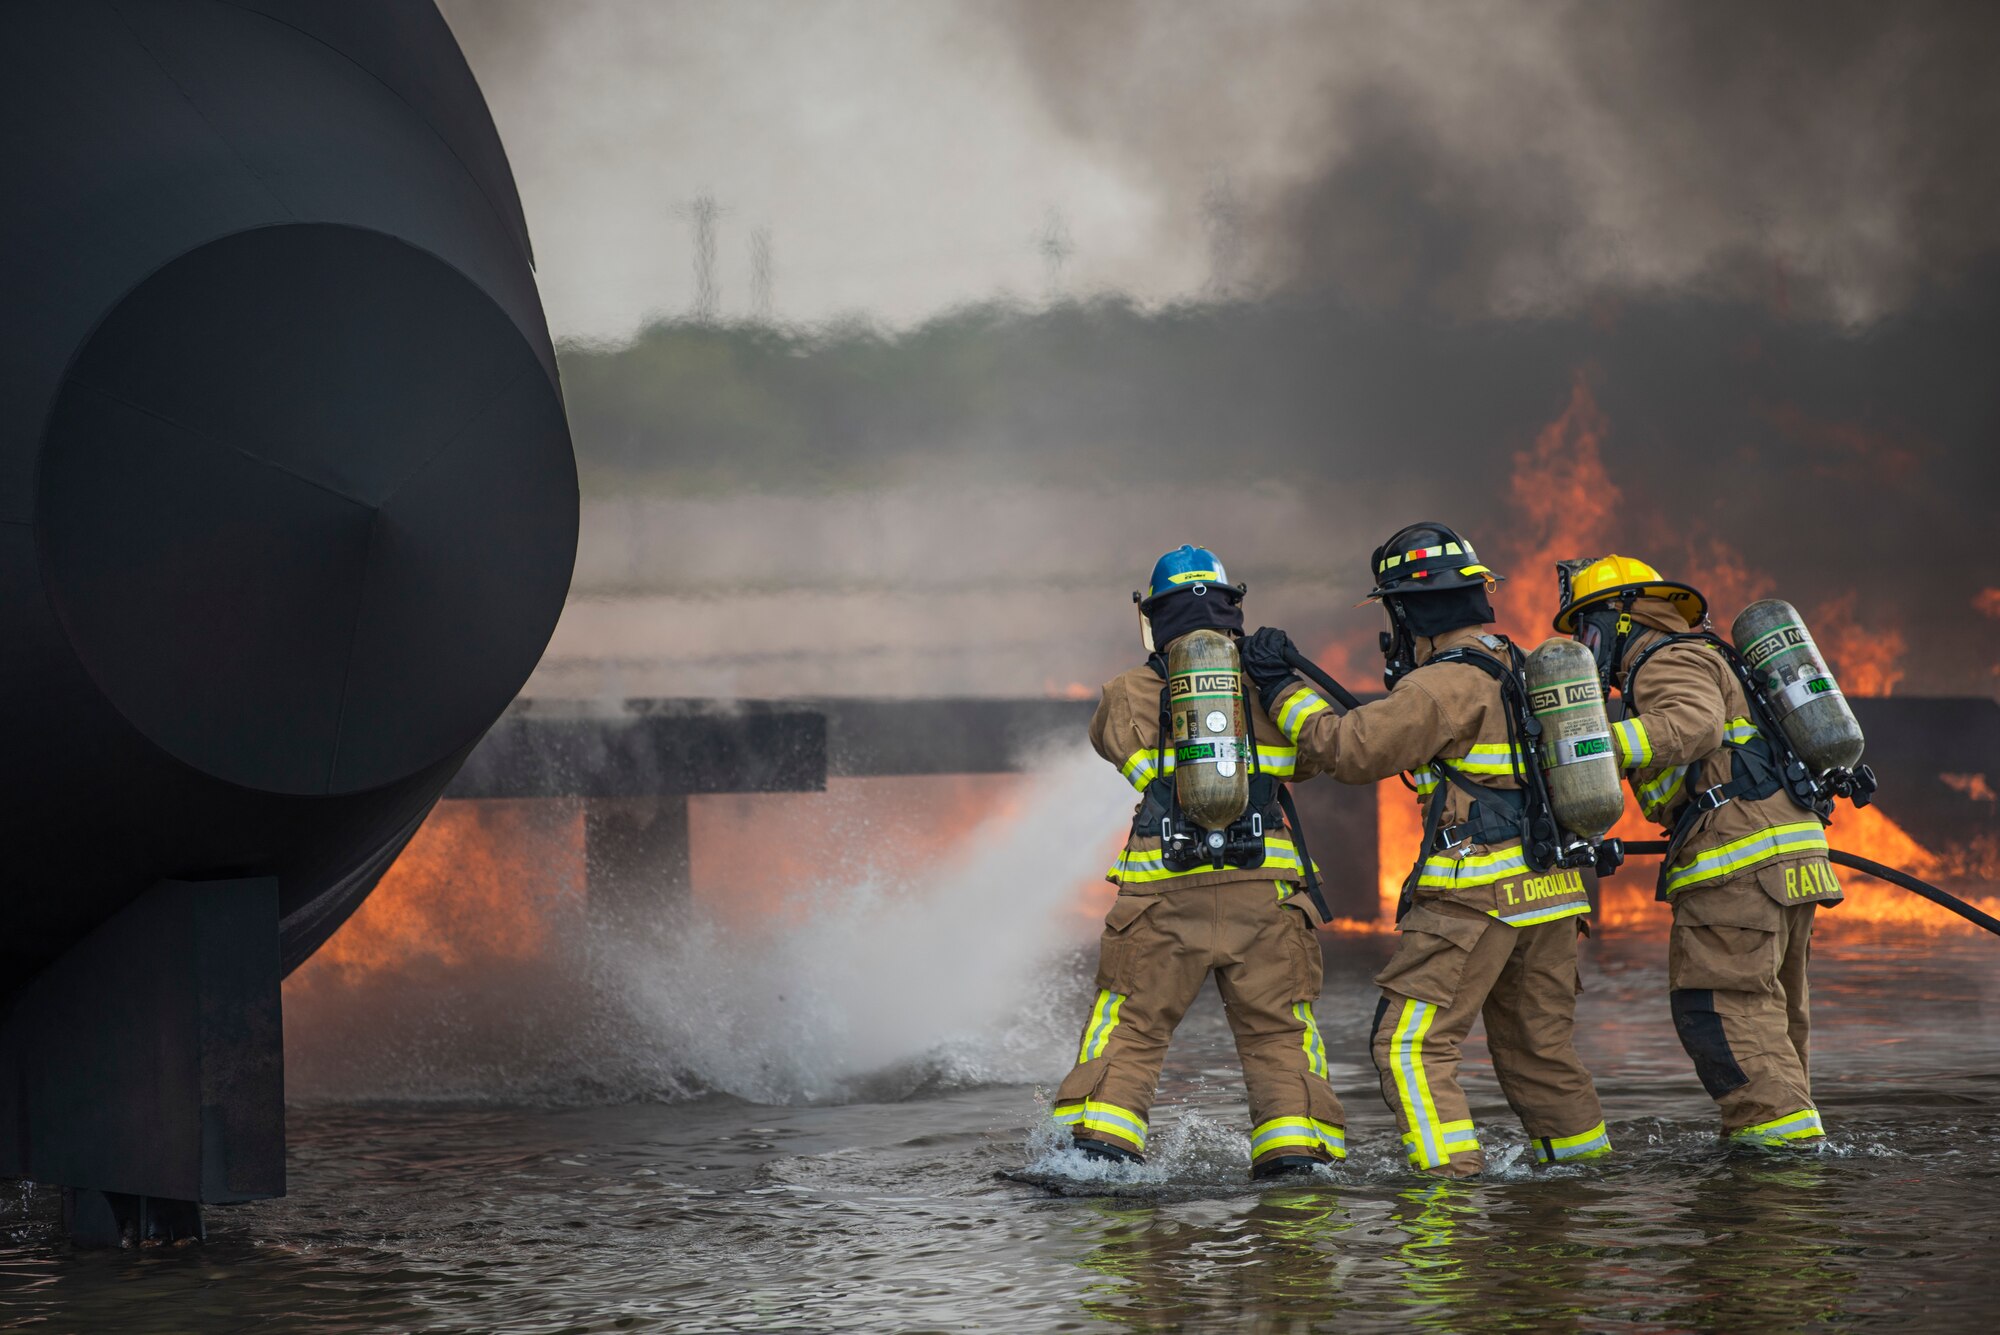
1686 600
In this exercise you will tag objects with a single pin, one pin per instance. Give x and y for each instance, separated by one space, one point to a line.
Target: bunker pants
1453 965
1736 967
1156 952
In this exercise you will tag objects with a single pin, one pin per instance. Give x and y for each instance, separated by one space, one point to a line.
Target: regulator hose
1313 673
1902 880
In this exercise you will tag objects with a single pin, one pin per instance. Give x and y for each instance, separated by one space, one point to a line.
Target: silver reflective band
1584 746
1802 692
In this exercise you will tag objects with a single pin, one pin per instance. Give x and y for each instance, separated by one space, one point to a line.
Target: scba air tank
1779 650
1211 735
1580 761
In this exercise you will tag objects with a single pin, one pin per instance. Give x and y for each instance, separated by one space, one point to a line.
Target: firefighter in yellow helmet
1746 869
1172 926
1484 932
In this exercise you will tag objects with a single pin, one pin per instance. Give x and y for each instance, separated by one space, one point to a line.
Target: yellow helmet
1588 583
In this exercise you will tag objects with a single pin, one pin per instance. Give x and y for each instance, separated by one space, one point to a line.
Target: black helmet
1426 557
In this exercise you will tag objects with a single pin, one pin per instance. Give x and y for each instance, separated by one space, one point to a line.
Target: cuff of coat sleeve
1635 748
1294 704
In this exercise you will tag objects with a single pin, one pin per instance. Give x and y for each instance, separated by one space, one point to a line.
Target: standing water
805 1127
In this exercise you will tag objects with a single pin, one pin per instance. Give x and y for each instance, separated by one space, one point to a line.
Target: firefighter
1168 929
1483 933
1747 869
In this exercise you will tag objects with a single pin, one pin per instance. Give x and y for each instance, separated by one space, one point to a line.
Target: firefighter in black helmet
1483 932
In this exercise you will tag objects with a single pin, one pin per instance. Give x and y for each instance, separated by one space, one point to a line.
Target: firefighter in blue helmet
1174 924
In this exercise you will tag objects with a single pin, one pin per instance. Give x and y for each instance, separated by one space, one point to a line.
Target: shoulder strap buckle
1711 798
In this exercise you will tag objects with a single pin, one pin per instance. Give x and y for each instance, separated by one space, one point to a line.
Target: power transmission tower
702 213
760 273
1053 241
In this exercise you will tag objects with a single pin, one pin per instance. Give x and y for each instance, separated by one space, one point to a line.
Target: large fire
489 880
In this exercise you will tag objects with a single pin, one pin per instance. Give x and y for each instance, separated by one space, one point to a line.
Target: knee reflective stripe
1301 705
1106 1119
1591 1144
1315 1049
1292 1133
1700 1028
1778 841
1425 1138
1103 1019
1798 1126
1453 1138
1633 741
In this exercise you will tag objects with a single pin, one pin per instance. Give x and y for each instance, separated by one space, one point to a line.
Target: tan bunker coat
1168 931
1745 883
1485 934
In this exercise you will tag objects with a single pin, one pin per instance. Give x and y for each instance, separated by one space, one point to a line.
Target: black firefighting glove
1264 655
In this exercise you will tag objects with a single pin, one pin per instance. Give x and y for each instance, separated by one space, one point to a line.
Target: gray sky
896 150
1503 158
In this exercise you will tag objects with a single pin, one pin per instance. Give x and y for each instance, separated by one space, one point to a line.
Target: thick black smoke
1832 158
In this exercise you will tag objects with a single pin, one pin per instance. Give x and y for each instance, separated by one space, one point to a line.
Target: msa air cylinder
1211 737
1581 764
1794 678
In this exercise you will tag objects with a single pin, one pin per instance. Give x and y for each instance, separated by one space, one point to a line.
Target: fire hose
1312 672
1902 880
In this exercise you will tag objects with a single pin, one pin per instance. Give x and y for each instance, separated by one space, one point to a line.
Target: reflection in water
720 1214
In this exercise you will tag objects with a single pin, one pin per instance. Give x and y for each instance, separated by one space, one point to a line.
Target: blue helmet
1182 568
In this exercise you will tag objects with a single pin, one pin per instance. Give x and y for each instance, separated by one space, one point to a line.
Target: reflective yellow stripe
1632 738
1301 705
1427 780
1315 1049
1486 758
1298 1133
1795 1126
1457 1138
1529 917
1142 767
1406 1059
1591 1144
1656 794
1281 857
1107 1118
1778 841
1278 761
1103 1019
1441 872
1739 731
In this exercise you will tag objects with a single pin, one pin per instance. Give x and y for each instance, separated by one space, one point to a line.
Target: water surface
717 1214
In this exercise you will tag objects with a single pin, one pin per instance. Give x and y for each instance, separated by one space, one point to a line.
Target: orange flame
481 880
1564 501
1987 603
1399 828
1724 578
1864 660
1973 786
